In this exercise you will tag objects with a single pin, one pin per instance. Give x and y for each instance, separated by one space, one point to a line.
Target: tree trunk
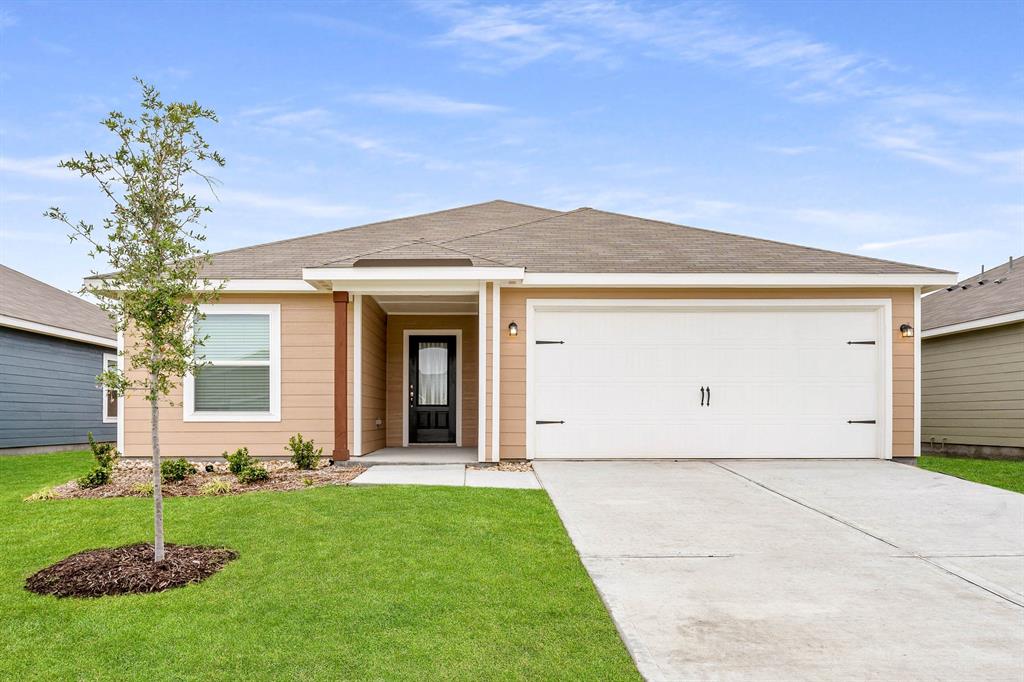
158 498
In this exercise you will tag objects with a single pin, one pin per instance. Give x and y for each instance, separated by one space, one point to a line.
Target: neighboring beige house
973 365
522 332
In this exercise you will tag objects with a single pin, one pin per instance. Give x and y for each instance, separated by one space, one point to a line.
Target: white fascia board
712 279
59 332
414 287
251 286
994 321
420 274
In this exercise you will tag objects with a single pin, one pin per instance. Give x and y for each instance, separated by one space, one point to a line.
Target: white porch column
495 369
357 376
917 372
481 438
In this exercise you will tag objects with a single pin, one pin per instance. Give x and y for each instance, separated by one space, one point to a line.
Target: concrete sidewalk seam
997 593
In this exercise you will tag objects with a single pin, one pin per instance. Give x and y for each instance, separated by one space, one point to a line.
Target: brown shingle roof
499 233
29 299
1001 293
285 259
588 240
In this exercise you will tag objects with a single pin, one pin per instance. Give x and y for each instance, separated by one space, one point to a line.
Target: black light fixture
906 330
330 462
209 468
513 329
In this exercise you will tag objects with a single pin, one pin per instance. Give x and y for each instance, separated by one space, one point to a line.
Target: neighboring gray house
972 365
52 347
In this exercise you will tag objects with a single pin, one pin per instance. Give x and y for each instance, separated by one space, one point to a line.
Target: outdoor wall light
513 329
209 468
906 330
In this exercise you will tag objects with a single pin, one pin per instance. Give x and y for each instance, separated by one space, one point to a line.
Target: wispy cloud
44 167
929 124
306 117
422 102
927 241
790 151
301 206
7 19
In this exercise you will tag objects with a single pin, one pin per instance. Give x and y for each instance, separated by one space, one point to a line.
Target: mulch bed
128 570
129 475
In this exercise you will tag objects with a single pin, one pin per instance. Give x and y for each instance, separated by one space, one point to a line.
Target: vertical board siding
512 425
48 391
396 326
972 387
374 375
307 392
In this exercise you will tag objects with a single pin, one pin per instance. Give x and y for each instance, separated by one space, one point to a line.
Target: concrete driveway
802 569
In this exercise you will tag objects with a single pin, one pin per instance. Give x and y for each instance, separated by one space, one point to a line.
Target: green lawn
331 583
1000 473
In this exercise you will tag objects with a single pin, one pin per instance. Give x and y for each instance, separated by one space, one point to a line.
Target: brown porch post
340 376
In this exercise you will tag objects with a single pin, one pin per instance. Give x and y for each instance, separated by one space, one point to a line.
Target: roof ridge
771 241
508 227
467 253
373 224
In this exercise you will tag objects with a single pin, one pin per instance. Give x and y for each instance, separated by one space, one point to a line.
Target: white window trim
882 307
107 359
273 311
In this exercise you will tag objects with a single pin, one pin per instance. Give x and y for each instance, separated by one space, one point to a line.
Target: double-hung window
110 401
240 375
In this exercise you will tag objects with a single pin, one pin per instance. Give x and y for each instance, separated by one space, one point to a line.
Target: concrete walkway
800 570
445 474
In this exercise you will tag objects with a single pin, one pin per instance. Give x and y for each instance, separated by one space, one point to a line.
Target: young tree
152 239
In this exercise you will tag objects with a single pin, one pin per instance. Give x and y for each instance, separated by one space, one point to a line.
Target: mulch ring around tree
128 570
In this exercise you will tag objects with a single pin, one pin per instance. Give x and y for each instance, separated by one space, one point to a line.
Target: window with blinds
236 353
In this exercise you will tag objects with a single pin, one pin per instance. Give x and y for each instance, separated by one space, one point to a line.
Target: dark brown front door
432 389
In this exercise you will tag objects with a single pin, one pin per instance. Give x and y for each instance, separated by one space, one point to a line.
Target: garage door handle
702 396
860 421
544 421
709 396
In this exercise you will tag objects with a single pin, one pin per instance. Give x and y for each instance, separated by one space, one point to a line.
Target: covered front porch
418 354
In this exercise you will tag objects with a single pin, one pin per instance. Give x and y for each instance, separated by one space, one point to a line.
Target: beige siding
307 392
512 423
396 326
374 350
972 387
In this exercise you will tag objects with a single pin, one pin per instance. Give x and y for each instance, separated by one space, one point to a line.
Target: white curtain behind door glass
433 373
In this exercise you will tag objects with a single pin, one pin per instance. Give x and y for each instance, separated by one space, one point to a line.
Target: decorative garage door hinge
545 421
860 343
542 343
860 421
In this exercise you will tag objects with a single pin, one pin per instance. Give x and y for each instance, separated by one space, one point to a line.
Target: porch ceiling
405 304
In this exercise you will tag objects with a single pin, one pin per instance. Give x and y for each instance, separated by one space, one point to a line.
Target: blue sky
889 130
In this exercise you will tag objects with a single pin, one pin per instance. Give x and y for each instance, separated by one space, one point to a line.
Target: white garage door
706 382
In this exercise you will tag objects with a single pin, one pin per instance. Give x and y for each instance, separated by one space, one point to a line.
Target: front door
432 389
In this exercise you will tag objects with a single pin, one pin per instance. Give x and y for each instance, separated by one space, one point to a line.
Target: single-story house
525 332
972 365
53 345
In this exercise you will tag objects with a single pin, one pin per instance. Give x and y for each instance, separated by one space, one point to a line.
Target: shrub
100 475
305 454
253 474
307 481
176 470
105 453
239 460
143 489
218 486
43 494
